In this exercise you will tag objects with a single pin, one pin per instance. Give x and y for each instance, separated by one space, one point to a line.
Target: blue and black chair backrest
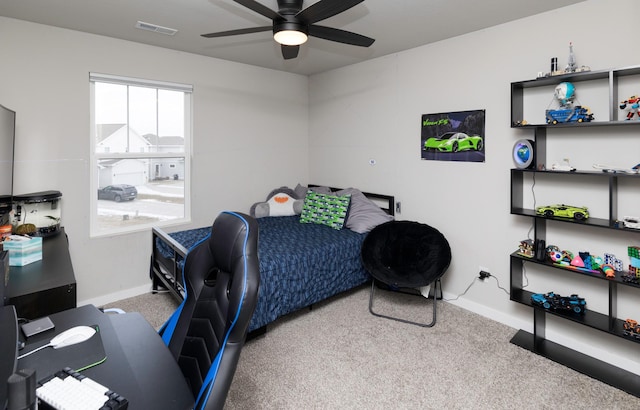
208 330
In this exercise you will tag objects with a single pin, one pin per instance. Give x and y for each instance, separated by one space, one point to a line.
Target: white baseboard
116 296
490 313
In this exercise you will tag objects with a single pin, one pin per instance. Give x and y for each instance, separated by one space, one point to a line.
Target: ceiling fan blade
239 31
289 52
325 9
340 36
259 8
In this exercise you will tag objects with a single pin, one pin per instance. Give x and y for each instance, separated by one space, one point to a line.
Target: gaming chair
208 330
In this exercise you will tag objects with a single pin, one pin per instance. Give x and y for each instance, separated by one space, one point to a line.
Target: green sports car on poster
453 142
564 211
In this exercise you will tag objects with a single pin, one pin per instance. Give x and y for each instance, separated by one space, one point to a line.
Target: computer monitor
4 277
8 349
7 139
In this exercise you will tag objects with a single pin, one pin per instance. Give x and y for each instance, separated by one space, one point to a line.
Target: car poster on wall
453 136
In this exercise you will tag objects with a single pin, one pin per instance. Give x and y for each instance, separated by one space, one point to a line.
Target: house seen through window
140 149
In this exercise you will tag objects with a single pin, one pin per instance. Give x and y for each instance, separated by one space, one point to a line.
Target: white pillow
281 205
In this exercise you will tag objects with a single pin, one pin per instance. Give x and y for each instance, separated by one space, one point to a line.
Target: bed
300 263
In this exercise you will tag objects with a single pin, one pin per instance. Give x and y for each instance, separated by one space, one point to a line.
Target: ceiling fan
292 26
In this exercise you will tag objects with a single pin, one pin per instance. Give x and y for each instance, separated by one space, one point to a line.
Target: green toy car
454 142
564 211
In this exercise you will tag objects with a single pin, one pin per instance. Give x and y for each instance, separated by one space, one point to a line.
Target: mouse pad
78 357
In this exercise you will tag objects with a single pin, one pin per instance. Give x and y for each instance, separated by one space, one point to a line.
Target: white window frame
94 231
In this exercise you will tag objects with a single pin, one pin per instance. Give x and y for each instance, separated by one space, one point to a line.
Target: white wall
250 135
373 110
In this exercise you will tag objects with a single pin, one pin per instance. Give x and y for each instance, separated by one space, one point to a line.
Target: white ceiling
395 24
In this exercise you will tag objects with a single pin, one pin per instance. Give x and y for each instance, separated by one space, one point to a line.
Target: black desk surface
54 270
138 364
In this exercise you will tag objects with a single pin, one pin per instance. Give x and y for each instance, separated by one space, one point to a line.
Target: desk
46 286
139 366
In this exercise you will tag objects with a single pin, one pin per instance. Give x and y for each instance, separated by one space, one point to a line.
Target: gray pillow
321 189
364 214
301 191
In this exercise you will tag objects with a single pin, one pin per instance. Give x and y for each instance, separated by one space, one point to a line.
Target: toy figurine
632 105
608 271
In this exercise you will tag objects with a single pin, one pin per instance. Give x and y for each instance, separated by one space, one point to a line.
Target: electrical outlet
483 273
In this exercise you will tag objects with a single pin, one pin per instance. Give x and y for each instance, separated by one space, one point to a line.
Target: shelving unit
605 322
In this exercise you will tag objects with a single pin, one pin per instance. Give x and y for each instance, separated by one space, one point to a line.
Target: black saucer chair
406 255
208 330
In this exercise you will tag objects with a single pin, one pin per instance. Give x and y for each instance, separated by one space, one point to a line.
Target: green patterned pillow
325 209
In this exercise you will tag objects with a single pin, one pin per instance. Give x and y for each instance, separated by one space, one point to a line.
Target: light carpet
339 356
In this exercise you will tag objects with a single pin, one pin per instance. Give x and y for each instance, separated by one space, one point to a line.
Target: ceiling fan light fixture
290 37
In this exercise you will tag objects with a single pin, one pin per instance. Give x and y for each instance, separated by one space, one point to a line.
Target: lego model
454 142
632 106
564 95
526 248
634 265
560 304
632 222
631 328
575 114
563 167
608 168
564 211
572 66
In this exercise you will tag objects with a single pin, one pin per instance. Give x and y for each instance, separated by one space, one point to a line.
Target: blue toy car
561 304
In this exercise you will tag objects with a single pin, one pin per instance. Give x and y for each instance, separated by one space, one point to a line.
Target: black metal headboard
386 202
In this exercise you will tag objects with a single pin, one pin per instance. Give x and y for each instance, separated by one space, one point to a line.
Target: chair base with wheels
406 255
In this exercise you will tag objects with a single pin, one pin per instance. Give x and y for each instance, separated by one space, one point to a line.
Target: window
140 152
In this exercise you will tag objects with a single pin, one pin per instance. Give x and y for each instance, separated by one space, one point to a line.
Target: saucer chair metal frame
406 255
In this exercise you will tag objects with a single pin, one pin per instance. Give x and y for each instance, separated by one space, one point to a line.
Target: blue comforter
300 264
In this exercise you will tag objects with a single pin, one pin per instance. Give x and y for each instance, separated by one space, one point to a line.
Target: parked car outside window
120 192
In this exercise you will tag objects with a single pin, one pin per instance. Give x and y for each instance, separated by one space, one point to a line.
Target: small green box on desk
23 252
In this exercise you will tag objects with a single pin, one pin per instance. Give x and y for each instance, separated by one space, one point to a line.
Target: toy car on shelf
631 328
561 304
564 211
575 114
454 142
632 222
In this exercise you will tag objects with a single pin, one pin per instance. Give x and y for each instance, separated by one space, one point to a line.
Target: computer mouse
72 336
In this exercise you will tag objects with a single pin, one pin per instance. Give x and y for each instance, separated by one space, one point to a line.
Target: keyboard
70 390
